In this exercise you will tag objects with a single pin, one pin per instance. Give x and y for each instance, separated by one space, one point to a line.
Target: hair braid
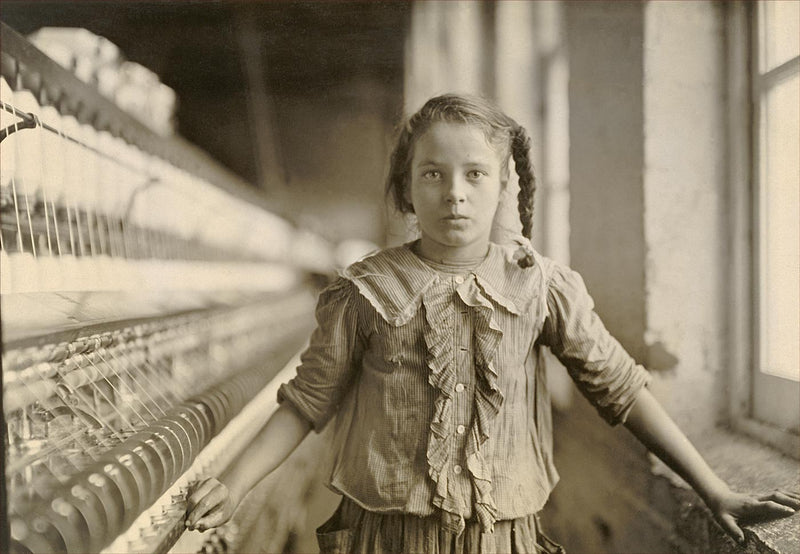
520 152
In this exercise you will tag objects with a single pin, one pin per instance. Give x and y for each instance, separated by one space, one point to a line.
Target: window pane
780 33
780 230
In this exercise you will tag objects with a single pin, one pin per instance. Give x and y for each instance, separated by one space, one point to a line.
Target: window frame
749 388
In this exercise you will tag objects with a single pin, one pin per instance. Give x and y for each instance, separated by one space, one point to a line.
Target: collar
395 280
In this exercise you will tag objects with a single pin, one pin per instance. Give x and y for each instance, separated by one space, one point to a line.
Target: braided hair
503 133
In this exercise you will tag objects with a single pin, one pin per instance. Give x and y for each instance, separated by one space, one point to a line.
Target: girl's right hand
732 509
210 505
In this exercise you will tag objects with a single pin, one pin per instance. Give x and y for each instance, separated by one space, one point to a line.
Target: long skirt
354 530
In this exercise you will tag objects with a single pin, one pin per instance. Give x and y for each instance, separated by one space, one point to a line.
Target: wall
606 160
685 201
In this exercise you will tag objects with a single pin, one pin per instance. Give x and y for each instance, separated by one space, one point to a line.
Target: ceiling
305 49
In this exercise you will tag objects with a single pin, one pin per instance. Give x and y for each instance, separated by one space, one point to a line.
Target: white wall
684 206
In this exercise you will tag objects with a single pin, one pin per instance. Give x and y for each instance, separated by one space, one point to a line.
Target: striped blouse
438 384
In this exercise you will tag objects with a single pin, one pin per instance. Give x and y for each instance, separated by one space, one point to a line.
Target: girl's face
455 188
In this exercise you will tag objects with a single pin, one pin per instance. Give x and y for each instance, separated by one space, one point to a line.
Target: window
764 62
776 175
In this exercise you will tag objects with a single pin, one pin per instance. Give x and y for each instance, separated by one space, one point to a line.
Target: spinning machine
149 298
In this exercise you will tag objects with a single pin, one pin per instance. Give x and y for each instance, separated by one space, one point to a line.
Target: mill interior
161 258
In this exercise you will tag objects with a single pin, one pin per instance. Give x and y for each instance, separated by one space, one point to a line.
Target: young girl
429 355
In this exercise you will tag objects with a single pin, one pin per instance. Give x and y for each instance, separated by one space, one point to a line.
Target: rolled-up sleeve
328 365
603 371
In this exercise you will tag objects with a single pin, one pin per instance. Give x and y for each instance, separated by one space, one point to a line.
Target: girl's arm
326 371
651 424
214 501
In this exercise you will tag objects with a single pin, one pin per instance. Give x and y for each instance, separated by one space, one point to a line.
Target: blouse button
460 429
456 469
459 279
460 387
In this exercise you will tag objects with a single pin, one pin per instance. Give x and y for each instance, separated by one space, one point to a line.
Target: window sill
785 442
747 466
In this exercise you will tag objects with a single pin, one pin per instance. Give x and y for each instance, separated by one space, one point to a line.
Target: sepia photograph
400 276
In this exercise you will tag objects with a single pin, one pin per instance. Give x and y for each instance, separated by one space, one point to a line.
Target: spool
126 482
179 439
138 469
38 536
165 460
93 511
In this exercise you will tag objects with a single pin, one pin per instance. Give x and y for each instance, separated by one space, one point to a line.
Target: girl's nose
456 191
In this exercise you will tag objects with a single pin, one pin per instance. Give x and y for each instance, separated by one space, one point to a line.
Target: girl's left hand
731 509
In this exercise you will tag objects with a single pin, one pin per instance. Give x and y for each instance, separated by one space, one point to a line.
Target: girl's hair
502 132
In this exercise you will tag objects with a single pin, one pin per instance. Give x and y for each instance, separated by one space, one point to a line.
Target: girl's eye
475 174
432 174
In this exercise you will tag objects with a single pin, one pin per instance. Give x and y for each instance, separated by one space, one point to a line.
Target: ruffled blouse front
439 385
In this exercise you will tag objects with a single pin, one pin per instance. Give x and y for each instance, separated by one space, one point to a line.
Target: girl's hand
210 505
731 509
